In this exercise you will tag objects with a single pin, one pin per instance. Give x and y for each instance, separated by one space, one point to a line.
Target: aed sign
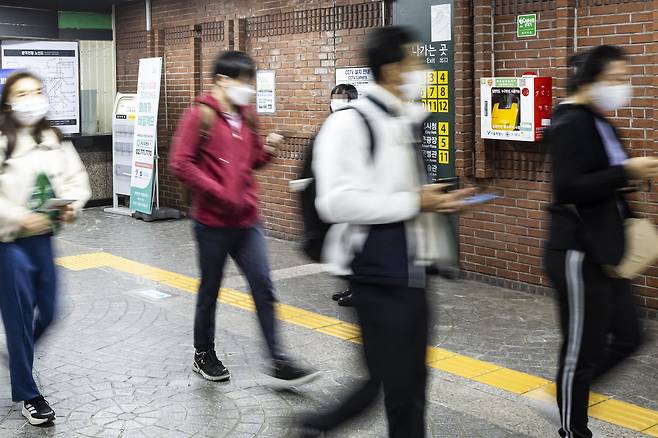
526 25
515 108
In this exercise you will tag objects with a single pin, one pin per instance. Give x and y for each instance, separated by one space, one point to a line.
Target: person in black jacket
591 173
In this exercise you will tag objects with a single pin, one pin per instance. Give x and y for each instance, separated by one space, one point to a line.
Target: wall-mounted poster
265 92
360 77
56 63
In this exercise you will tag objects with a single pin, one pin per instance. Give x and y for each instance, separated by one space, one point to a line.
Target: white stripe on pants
576 296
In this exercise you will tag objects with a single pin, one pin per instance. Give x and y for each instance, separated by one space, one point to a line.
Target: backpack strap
207 116
371 134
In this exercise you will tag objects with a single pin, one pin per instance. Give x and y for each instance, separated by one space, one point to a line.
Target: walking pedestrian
43 184
216 150
383 240
591 174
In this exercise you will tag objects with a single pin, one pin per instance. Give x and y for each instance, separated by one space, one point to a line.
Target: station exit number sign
526 25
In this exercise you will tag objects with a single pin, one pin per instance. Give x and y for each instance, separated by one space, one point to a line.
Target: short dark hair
234 64
385 45
348 89
585 67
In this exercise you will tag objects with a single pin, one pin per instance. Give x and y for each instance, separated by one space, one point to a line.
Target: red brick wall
504 240
501 243
304 59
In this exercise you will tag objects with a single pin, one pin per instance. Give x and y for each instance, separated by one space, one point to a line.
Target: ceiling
68 5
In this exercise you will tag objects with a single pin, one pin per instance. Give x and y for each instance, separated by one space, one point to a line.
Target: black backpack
315 229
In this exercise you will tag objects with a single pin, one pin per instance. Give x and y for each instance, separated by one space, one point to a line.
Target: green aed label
526 25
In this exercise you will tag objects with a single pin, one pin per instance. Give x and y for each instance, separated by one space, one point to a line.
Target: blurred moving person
384 238
590 172
36 167
216 150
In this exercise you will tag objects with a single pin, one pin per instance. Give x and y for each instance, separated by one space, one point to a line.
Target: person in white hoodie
386 234
43 184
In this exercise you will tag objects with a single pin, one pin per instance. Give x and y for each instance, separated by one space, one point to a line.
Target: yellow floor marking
512 381
464 366
652 431
602 407
435 354
624 414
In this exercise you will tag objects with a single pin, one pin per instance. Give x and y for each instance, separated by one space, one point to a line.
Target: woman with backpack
43 184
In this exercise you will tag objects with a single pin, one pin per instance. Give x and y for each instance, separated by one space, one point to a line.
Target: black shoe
38 411
347 301
288 374
211 368
338 295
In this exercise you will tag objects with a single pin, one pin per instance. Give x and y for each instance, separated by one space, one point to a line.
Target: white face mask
240 95
337 104
414 83
611 97
28 111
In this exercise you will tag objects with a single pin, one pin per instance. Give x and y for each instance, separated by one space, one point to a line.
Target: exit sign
526 25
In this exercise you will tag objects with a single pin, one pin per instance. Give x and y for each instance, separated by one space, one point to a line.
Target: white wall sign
360 77
441 23
265 91
146 134
56 63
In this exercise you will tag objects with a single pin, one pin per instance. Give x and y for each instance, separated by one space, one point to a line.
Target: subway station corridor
118 363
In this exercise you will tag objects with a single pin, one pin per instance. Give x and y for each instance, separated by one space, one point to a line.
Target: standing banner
146 135
56 63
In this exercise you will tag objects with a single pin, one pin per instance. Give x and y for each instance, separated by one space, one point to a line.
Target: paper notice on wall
265 91
360 77
441 23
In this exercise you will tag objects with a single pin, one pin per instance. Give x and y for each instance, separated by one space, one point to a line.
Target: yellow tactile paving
624 414
342 330
601 407
464 366
435 353
548 393
512 381
652 431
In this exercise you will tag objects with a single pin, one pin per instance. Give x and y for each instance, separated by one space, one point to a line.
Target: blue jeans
28 289
247 248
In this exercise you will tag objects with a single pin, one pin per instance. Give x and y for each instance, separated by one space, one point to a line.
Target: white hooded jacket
18 174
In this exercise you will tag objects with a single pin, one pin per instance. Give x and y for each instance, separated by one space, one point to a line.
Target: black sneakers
210 367
346 301
288 374
338 295
38 411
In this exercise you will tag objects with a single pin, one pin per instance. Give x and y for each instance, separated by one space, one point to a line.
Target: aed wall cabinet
515 108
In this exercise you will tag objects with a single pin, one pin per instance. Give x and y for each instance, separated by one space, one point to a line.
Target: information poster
432 21
360 77
4 74
56 63
265 91
146 135
123 135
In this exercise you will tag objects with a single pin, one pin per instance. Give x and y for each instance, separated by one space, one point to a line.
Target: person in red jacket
216 149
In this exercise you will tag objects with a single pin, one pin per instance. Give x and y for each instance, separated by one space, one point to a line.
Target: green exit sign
526 25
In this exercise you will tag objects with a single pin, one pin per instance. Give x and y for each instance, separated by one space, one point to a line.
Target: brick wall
501 243
304 41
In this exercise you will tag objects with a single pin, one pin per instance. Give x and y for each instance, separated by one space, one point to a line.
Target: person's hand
67 214
273 142
434 199
35 224
641 167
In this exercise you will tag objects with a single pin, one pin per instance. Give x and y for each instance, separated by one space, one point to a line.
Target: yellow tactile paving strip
601 407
